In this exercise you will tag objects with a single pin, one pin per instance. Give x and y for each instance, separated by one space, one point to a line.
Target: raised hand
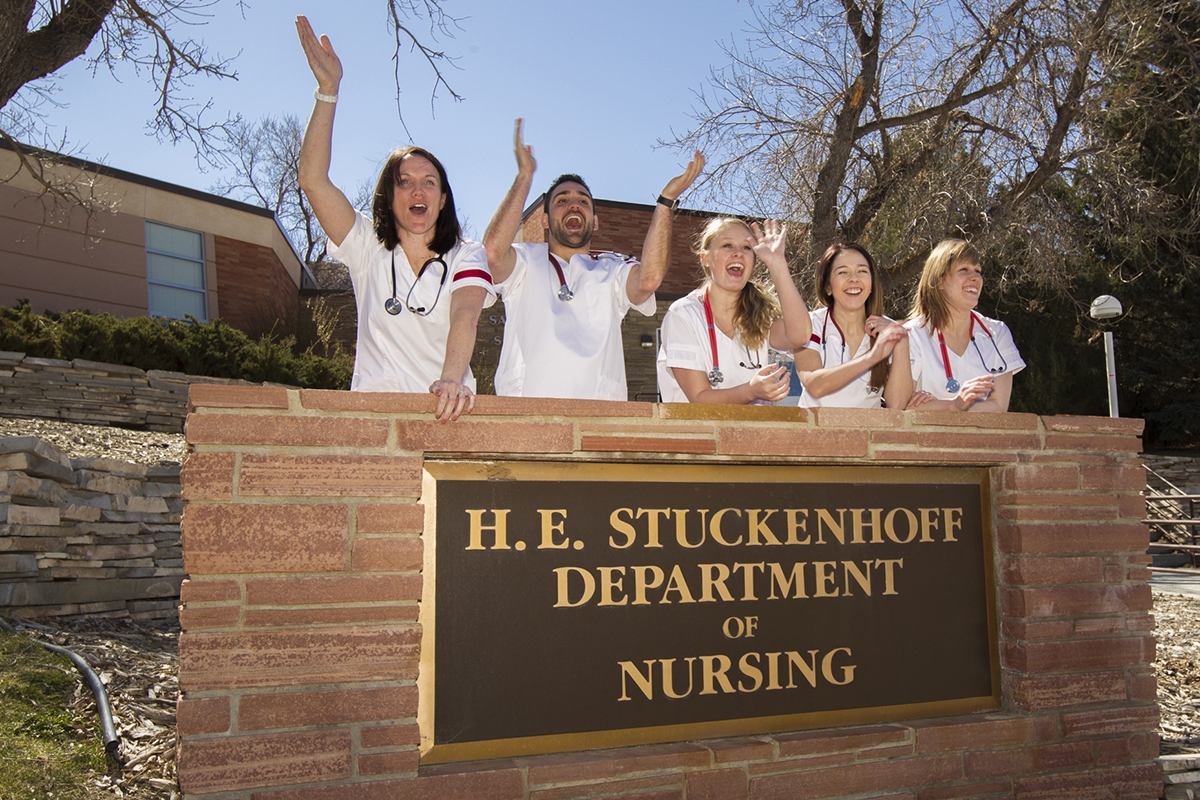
770 240
324 63
525 163
680 183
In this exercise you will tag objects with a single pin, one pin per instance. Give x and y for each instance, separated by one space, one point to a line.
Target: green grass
47 751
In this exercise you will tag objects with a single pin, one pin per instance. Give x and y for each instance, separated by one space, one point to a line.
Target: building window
175 272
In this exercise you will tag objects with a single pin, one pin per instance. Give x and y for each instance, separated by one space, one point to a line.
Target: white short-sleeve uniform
565 348
987 355
828 343
686 344
405 352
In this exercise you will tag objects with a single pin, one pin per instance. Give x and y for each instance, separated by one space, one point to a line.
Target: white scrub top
565 348
405 352
995 355
827 341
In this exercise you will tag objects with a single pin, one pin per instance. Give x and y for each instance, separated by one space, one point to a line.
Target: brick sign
582 606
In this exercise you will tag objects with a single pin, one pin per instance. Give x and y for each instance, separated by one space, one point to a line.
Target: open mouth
418 208
573 222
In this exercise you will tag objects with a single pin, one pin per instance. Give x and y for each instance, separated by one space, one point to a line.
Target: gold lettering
773 671
668 677
499 529
837 528
952 523
681 527
809 671
758 526
827 667
652 516
889 525
711 674
715 529
748 578
550 527
678 584
863 579
784 582
564 596
794 524
889 577
640 584
710 581
752 672
825 578
642 682
621 526
929 522
874 525
608 584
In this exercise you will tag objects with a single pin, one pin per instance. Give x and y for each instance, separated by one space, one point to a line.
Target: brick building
622 229
163 250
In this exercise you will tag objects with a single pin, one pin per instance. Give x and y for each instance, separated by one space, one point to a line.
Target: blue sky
598 84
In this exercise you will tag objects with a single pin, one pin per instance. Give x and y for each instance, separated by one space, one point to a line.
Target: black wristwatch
670 204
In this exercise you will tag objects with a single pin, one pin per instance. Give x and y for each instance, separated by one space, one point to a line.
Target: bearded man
564 303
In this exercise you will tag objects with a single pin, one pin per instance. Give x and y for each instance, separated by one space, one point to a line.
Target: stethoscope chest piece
952 385
564 293
715 377
393 306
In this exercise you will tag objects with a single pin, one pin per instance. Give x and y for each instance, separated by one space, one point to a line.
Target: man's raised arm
498 238
645 278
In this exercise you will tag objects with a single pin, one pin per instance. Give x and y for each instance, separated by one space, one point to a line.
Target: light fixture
1106 307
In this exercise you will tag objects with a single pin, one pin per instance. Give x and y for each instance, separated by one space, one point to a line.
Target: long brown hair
928 301
872 307
756 307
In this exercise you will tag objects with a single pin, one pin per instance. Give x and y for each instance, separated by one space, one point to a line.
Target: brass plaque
576 606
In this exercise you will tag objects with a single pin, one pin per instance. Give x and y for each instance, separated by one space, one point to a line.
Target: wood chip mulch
139 666
1177 664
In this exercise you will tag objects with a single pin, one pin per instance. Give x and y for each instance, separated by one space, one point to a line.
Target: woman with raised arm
716 342
857 357
418 284
961 360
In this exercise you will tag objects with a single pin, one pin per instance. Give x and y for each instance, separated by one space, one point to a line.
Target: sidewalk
1184 583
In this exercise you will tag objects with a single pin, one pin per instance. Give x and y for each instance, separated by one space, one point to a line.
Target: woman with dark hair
952 369
857 357
716 342
411 338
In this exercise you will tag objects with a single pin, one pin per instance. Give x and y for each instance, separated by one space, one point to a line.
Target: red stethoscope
953 385
714 375
564 291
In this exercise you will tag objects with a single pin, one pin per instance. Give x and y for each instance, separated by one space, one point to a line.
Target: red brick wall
254 289
300 646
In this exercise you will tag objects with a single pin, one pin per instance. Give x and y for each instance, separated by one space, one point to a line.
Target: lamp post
1107 307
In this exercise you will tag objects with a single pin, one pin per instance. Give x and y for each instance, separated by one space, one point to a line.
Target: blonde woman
857 358
716 341
961 360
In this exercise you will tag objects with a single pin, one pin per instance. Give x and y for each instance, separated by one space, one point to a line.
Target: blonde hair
756 306
928 301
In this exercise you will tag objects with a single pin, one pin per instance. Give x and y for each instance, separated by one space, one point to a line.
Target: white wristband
324 98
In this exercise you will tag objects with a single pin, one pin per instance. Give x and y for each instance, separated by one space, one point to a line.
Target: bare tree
38 37
266 164
899 122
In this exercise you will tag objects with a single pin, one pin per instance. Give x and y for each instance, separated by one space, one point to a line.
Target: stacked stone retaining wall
87 535
94 393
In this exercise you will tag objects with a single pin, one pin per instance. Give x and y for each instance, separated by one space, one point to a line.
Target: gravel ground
138 447
1177 624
